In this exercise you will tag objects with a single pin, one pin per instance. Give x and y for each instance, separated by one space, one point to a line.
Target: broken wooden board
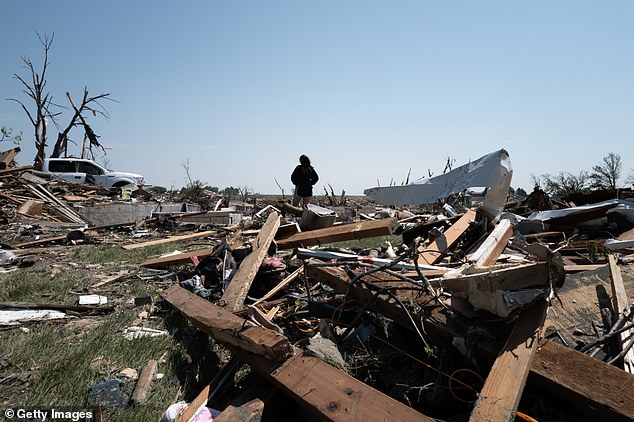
434 322
227 327
493 245
144 383
341 233
619 305
504 277
433 253
598 390
228 370
328 392
6 157
177 259
236 292
170 239
31 208
502 391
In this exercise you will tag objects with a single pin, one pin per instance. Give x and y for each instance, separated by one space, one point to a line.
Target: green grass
48 364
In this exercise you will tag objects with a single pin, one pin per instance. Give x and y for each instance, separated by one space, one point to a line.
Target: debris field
430 302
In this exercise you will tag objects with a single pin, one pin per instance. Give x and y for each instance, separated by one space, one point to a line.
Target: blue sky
367 89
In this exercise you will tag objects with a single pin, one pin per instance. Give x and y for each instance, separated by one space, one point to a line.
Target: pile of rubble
475 307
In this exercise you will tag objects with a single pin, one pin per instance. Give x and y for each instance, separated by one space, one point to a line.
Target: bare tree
606 174
565 183
78 119
35 89
186 165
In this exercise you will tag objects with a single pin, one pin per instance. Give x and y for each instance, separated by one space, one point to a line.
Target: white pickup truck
82 171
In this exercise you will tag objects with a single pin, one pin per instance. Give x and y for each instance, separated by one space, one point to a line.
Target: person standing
304 178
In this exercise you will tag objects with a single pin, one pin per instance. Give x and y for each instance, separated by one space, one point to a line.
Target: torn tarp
492 171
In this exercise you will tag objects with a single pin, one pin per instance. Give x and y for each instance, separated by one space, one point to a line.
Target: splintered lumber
251 411
504 385
228 370
493 245
341 233
170 239
486 281
330 393
387 306
577 268
6 157
15 169
619 304
240 284
292 276
177 259
596 389
227 327
321 388
433 253
142 388
31 208
249 406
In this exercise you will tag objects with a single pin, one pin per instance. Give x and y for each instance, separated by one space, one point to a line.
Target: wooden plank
321 388
493 245
227 327
170 239
240 284
504 385
292 276
142 387
330 393
619 304
578 268
598 390
210 389
181 258
433 253
15 169
341 233
250 411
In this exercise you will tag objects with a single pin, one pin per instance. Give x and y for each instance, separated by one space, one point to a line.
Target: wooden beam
596 389
170 239
228 370
493 245
504 385
433 253
328 392
240 284
181 258
227 327
619 305
576 268
341 233
142 388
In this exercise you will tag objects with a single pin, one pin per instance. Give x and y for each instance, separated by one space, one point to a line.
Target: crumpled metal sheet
492 171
